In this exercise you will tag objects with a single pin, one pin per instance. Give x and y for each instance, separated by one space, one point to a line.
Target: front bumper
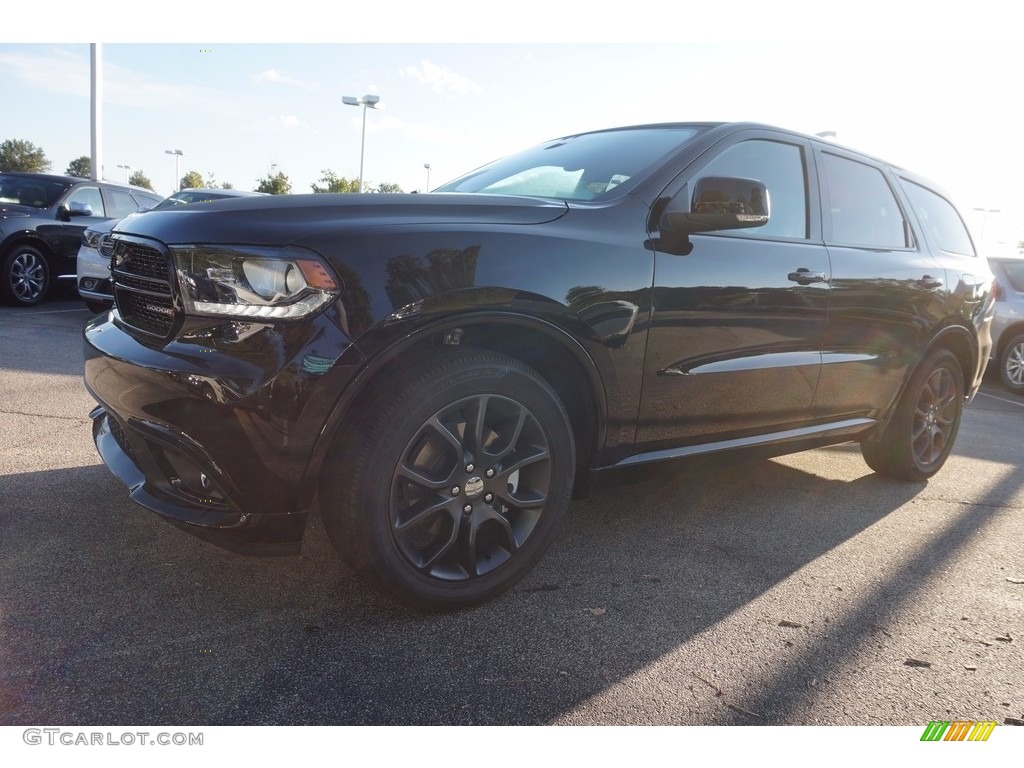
93 276
215 429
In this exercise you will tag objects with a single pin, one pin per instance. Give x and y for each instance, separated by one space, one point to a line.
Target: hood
282 219
15 211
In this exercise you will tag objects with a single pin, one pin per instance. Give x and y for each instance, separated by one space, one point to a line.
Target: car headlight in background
252 281
91 238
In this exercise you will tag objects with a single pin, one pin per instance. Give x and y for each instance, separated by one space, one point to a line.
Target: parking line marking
47 312
1003 399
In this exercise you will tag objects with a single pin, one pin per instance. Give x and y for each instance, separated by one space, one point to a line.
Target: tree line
18 155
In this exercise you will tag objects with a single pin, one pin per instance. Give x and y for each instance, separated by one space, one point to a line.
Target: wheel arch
1005 336
546 348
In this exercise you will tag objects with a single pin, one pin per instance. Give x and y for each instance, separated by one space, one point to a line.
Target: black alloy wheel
920 435
455 484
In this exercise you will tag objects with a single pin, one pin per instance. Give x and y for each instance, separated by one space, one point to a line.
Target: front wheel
920 435
1011 365
25 277
454 481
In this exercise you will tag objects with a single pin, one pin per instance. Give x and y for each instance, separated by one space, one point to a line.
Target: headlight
91 238
252 281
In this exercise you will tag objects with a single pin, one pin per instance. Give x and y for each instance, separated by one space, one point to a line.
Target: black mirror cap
721 202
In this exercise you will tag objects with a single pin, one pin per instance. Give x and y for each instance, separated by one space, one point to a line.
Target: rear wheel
454 483
1011 364
920 435
25 277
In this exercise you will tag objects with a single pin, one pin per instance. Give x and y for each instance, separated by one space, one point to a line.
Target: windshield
582 167
189 196
31 191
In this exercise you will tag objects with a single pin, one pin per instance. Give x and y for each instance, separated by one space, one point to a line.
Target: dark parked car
42 218
437 374
93 268
1008 324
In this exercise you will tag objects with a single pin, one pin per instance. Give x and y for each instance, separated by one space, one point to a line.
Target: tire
97 307
454 481
920 435
1011 364
25 280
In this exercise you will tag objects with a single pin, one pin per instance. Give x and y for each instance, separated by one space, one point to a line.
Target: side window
864 210
780 167
940 219
88 196
142 200
121 203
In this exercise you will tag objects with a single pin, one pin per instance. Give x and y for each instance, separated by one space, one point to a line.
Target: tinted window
185 197
121 203
1014 273
582 167
88 196
780 167
144 200
940 218
27 190
864 210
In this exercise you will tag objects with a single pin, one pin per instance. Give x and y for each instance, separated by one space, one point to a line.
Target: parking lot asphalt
801 590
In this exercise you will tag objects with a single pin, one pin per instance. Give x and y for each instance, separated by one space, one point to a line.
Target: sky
938 98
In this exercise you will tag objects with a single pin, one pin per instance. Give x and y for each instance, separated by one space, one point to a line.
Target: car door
739 316
888 291
75 222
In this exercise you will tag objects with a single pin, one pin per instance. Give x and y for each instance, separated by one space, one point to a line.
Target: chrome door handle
929 282
804 276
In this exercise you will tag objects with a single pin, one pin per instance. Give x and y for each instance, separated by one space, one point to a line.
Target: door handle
929 282
804 276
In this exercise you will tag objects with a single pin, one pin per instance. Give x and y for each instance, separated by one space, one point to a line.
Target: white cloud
440 79
276 76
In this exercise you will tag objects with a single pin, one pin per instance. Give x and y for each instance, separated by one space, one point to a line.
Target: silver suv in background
1008 324
94 252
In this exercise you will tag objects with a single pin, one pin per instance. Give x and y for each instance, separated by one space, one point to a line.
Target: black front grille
106 246
152 314
143 288
139 260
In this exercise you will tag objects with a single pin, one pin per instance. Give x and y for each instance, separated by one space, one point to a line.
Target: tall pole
362 149
427 166
177 167
369 100
96 110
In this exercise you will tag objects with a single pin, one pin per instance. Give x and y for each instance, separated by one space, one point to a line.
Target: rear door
888 291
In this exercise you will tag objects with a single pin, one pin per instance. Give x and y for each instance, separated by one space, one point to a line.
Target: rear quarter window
940 219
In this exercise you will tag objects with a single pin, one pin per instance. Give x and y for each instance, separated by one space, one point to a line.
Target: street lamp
371 101
126 169
427 166
826 134
177 168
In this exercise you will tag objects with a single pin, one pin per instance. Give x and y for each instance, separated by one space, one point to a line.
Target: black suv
438 373
42 219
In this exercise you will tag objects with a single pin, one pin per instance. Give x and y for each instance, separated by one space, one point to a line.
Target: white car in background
1008 323
94 252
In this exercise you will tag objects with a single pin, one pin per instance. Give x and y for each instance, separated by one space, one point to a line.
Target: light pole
984 221
126 169
371 101
177 167
427 166
826 134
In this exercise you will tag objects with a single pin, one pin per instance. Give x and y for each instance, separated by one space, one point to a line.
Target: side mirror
79 209
718 203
